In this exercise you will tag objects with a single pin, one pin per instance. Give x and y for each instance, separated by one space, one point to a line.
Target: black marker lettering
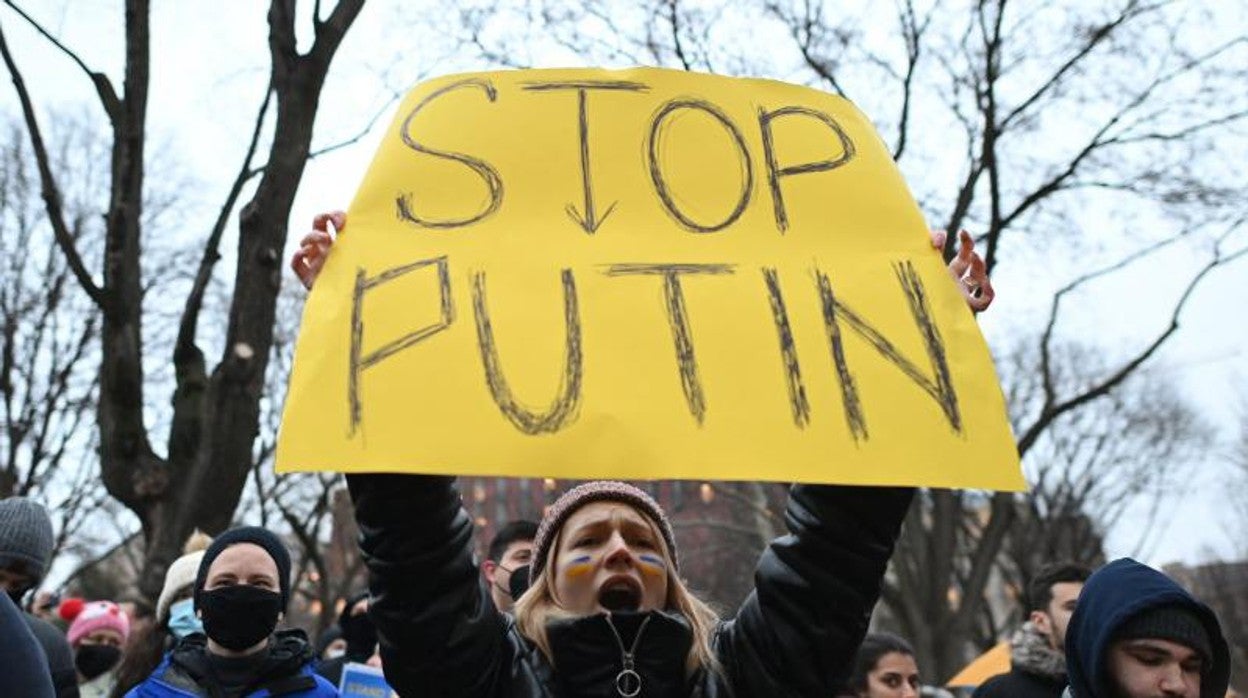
656 172
404 202
940 389
360 361
775 172
589 221
678 320
563 410
788 351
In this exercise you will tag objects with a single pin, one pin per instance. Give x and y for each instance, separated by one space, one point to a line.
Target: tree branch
1099 36
195 299
1053 411
330 32
51 193
913 33
673 20
104 88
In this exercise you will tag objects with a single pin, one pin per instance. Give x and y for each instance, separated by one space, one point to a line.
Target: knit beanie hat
26 539
1173 623
99 615
181 575
247 534
597 491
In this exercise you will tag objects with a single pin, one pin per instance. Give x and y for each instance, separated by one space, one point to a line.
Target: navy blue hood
1111 596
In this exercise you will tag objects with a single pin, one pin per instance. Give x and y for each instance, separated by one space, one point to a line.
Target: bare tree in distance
1120 464
1093 133
197 483
48 339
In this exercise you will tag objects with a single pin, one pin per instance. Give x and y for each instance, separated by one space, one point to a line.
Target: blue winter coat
1117 592
288 672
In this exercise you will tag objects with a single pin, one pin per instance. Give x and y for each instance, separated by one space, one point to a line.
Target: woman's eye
582 542
642 543
892 681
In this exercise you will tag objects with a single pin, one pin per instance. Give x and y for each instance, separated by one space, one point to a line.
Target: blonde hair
538 607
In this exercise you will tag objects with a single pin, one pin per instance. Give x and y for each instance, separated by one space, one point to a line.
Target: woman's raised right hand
309 259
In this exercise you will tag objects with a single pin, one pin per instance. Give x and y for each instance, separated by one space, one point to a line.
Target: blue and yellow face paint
652 565
578 566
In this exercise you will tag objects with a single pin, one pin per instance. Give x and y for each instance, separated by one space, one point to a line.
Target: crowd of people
589 601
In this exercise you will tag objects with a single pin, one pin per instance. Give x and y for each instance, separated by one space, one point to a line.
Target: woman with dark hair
607 612
884 667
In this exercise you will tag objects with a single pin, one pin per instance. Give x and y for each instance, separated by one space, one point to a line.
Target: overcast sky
209 69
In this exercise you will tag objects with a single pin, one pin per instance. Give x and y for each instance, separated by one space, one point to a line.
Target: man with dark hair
511 549
1037 650
1137 634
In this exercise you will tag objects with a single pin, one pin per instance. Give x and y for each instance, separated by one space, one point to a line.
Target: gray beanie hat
26 538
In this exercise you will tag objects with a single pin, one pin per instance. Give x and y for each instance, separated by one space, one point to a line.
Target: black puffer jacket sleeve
440 633
797 633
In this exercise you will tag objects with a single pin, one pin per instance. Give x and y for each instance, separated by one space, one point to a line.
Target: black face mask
93 660
519 582
238 617
361 637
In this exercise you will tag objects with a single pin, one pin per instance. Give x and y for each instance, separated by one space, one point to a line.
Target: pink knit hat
99 615
597 491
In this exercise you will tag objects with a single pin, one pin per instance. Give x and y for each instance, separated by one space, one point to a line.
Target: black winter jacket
1020 684
25 665
795 635
60 656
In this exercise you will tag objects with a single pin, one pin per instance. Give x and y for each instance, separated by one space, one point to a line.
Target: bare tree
215 412
48 335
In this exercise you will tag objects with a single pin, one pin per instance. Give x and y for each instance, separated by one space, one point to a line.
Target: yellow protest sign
640 274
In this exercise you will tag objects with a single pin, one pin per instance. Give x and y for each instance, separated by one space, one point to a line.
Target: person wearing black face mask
240 594
97 634
510 550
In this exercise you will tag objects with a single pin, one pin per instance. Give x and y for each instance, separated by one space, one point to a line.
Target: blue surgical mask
182 620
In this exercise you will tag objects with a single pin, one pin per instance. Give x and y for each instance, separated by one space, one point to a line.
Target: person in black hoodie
241 591
1136 633
26 543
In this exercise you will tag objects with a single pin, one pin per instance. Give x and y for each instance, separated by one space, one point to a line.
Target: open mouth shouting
620 594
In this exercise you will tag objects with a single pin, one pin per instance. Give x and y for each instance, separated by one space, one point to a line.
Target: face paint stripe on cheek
652 564
578 566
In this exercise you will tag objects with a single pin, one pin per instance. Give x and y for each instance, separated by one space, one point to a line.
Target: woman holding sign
607 613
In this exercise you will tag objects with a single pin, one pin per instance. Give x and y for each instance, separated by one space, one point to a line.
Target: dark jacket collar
589 653
288 653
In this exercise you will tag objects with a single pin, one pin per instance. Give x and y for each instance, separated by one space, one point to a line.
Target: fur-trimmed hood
1031 652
